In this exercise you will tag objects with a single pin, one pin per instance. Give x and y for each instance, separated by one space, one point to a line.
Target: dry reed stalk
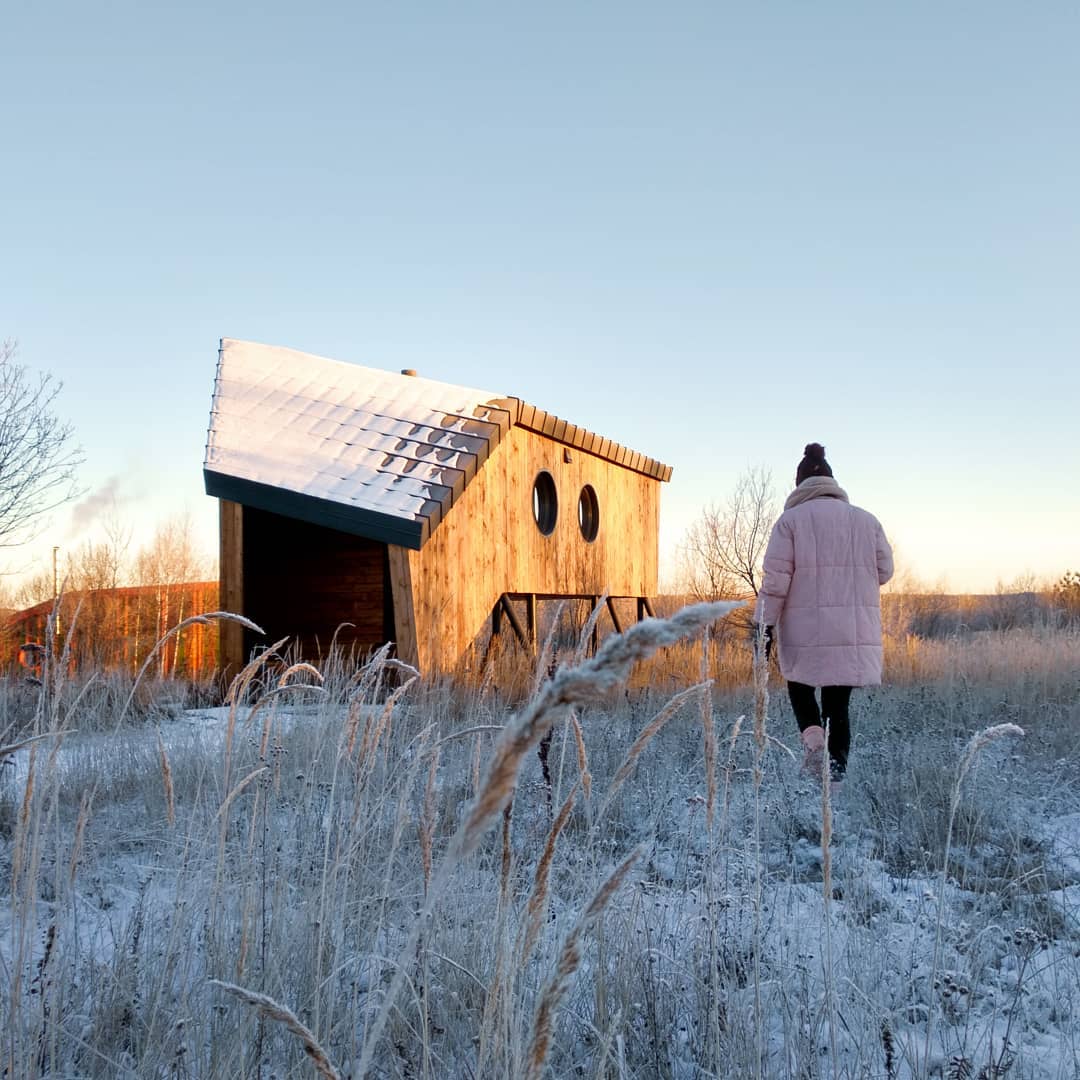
582 757
975 745
13 748
246 919
495 996
426 826
262 770
496 993
569 686
826 887
192 620
24 852
464 732
761 714
352 724
475 769
265 699
569 961
237 689
735 729
85 805
367 675
507 861
826 819
272 1010
537 902
729 769
585 637
708 731
547 652
399 665
303 667
369 746
356 712
166 782
283 685
761 694
644 738
23 821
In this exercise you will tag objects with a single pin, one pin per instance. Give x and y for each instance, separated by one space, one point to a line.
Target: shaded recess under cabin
362 506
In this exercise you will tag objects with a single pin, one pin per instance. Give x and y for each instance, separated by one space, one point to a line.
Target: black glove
763 636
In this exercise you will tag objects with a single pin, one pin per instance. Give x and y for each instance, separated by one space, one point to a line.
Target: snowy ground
725 952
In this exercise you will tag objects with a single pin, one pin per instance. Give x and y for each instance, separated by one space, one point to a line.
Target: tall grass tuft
272 1010
976 744
568 963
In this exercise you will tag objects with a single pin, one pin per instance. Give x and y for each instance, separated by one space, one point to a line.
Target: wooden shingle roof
365 451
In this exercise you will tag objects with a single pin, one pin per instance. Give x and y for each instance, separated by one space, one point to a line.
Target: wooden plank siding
489 543
401 589
305 581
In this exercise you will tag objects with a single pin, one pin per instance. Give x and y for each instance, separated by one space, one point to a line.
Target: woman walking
824 567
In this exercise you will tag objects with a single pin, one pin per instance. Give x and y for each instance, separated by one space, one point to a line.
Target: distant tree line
107 610
721 554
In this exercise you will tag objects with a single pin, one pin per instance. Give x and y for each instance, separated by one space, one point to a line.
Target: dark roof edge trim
370 524
553 427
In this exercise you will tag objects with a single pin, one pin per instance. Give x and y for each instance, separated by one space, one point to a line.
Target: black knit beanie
812 464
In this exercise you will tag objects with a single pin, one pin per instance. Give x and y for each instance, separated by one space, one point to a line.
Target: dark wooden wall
305 581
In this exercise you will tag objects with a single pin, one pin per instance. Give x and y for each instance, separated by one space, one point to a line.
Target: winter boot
813 740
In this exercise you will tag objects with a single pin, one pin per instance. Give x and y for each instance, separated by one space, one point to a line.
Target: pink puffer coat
824 566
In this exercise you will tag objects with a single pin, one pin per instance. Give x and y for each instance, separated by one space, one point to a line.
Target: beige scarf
816 487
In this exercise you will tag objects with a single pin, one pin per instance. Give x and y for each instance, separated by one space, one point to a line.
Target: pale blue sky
712 232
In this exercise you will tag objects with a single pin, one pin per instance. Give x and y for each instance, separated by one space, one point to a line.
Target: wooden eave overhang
562 431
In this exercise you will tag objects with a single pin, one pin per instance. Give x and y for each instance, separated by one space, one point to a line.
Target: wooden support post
515 622
530 618
648 607
231 652
614 615
594 637
496 630
401 585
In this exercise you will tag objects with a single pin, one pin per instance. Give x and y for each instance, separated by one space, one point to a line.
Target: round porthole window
588 513
545 503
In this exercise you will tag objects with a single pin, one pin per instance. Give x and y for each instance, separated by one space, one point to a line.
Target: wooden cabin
361 506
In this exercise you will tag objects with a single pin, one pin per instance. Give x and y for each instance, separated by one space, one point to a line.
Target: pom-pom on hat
813 463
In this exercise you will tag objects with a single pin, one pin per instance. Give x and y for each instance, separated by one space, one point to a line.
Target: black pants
834 709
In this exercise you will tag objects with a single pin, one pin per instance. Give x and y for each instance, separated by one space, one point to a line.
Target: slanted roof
365 451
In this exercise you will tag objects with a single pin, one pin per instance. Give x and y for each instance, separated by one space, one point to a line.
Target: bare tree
722 551
117 541
35 589
170 560
37 456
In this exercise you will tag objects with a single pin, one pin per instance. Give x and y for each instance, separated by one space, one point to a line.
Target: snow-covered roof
370 452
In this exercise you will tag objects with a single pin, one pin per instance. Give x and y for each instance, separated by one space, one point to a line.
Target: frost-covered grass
287 846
